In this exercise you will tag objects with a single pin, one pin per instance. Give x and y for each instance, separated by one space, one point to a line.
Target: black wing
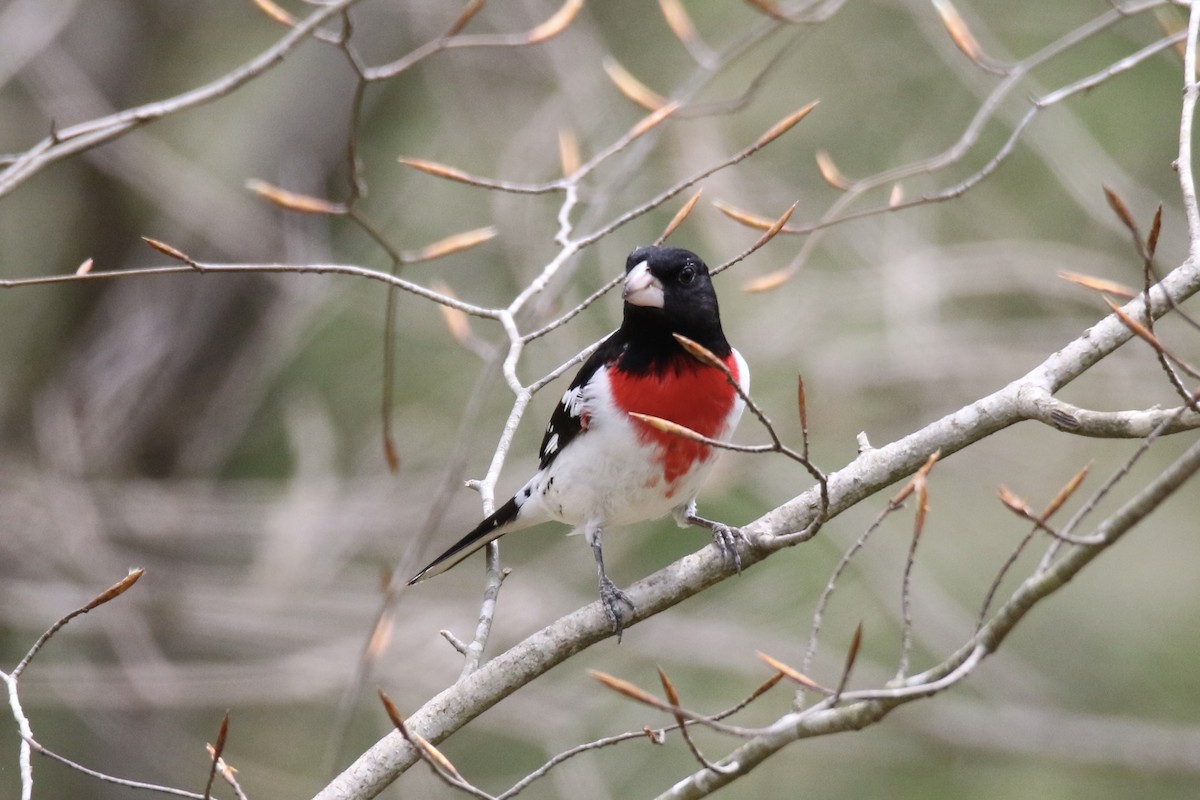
570 417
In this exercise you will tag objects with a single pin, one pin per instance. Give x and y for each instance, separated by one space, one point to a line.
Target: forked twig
656 736
894 504
681 722
29 744
427 752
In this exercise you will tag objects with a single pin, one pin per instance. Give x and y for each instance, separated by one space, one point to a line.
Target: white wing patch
572 401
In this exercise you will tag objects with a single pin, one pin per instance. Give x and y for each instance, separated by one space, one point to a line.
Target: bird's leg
724 537
610 596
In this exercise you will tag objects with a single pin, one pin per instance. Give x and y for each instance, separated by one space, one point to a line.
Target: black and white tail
490 529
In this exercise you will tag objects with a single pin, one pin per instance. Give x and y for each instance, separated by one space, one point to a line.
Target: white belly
609 475
614 480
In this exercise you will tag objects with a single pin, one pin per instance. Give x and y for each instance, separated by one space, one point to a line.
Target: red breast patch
692 395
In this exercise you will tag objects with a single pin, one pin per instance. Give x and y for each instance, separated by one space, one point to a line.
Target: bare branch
111 593
681 722
215 752
302 269
74 139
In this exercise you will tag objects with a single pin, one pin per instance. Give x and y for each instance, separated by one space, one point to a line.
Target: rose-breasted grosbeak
602 467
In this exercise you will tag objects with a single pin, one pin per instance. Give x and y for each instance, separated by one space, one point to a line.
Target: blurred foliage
224 432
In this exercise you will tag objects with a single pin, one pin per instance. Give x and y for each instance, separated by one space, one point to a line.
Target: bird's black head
668 290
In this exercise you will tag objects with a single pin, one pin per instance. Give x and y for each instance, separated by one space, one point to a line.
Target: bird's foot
727 540
724 537
613 598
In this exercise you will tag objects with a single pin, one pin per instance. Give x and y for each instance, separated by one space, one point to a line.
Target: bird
601 467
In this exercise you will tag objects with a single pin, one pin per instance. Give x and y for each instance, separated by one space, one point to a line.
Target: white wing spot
552 444
572 401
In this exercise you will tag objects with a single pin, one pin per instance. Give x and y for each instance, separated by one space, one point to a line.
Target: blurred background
223 432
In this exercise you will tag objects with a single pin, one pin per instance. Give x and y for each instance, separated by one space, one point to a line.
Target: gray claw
727 540
612 599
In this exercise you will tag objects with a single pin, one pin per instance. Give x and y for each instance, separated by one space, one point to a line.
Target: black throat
657 349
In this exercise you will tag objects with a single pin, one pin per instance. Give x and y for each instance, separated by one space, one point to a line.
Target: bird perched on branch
600 466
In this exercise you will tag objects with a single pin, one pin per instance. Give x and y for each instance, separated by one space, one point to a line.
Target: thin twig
76 138
1183 162
894 504
111 593
657 736
910 560
217 748
645 698
29 744
301 269
681 722
552 26
495 576
1101 493
106 778
837 214
441 766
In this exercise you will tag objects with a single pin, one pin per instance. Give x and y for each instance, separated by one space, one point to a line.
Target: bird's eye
687 275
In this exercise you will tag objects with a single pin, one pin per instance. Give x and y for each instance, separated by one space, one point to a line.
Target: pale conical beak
642 288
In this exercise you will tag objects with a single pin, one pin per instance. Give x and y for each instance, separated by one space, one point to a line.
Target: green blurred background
223 431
